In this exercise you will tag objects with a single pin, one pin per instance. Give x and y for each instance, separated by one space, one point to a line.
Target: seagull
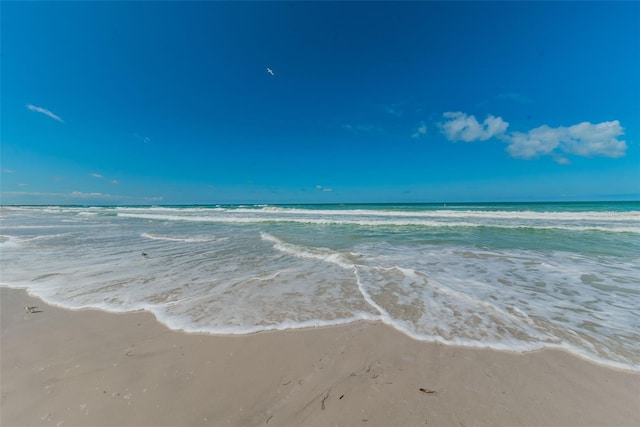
270 71
29 309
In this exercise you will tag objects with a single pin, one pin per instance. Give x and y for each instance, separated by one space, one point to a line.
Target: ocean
508 276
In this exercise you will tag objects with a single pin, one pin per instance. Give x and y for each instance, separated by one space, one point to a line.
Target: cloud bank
583 139
81 195
44 111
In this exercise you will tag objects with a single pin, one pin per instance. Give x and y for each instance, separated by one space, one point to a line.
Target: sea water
506 276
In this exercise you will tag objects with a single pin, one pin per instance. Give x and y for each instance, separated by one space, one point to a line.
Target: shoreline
92 367
607 365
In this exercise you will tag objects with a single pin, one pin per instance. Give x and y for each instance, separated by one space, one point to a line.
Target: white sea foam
22 241
9 241
182 239
322 254
472 280
443 213
633 216
376 223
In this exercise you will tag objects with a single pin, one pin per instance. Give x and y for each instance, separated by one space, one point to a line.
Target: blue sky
172 103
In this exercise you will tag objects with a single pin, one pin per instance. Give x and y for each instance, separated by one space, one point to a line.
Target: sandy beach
92 368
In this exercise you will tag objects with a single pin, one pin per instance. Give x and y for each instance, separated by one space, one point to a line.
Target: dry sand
91 368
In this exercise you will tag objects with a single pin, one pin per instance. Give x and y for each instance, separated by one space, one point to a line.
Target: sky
318 102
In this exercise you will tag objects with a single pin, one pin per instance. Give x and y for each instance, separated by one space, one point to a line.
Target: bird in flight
270 71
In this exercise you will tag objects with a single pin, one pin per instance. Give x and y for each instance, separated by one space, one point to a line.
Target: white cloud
44 111
584 139
321 188
82 194
461 127
587 139
99 176
561 159
7 170
422 130
536 142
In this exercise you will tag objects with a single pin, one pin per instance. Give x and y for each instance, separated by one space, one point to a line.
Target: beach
93 368
319 214
358 315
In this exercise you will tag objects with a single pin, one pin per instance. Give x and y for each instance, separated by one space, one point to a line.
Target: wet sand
91 368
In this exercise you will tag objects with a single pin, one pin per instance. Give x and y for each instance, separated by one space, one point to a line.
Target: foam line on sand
92 368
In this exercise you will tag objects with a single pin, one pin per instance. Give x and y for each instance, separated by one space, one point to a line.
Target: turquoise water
514 276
